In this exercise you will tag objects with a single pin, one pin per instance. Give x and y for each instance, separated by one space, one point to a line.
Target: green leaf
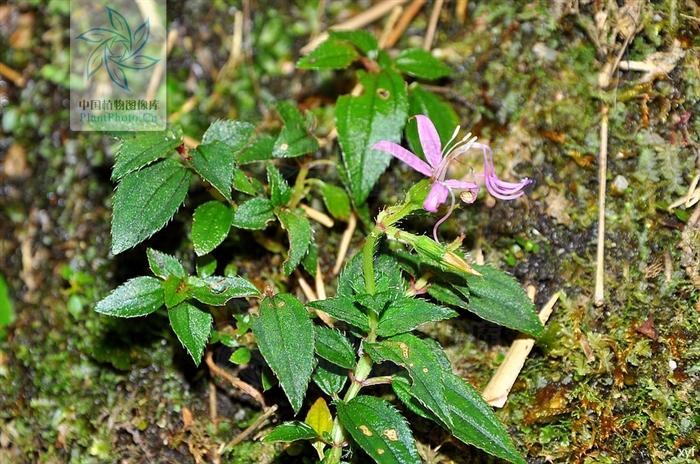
210 225
334 347
135 297
379 429
363 40
260 150
330 54
498 298
145 201
143 149
254 214
299 232
234 134
378 114
310 261
344 309
280 193
241 356
192 327
337 201
401 384
285 336
419 63
175 291
294 139
387 275
243 183
215 163
217 290
440 113
417 358
291 431
406 314
329 377
475 422
6 307
206 266
164 265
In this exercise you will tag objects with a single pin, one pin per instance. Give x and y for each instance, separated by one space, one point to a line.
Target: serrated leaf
401 384
419 63
254 214
378 114
440 113
215 164
310 261
145 201
406 314
291 431
245 184
363 40
241 356
329 377
294 139
285 337
417 358
334 347
217 290
175 291
235 134
337 201
135 297
497 297
344 309
379 429
474 421
144 149
387 275
192 327
280 192
299 233
319 417
260 150
164 265
330 54
211 223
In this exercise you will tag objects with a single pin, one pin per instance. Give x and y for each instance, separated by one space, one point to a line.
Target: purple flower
439 159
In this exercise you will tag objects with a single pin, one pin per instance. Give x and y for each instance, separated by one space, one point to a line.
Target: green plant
377 306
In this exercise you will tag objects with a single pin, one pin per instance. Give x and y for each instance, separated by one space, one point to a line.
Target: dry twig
252 428
356 22
236 382
599 296
345 243
403 23
496 392
432 25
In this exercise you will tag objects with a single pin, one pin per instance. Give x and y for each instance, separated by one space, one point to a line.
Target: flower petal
429 140
499 188
404 155
437 196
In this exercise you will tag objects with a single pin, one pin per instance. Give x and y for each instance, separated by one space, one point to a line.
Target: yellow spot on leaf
425 370
281 304
384 94
284 147
380 451
405 350
391 434
411 365
365 430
